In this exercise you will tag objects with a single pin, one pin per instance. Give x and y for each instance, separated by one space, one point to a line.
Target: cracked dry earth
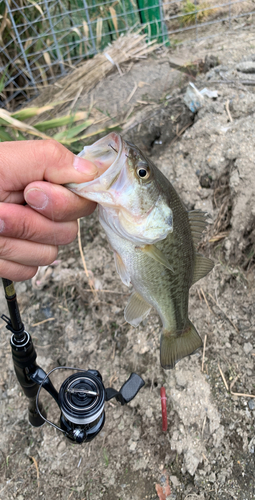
207 452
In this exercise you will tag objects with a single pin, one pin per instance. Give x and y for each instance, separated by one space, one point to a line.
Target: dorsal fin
203 266
197 221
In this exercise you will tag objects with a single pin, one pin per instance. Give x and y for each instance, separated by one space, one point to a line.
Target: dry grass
222 201
126 48
70 127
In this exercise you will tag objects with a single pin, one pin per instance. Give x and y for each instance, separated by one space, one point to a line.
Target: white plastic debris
194 98
212 94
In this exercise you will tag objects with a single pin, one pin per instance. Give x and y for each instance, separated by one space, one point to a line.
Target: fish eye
143 172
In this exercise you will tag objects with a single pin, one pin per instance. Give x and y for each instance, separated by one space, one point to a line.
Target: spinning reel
82 396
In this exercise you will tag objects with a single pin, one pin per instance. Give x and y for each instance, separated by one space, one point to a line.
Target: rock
246 67
149 412
247 347
133 446
251 404
175 481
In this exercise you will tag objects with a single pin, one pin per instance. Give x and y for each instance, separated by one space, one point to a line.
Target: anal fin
174 347
136 309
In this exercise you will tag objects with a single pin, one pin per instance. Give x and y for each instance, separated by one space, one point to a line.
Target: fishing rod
82 396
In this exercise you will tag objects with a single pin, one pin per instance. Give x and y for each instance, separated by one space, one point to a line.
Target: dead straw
234 381
132 93
126 48
37 471
203 357
42 322
228 111
223 377
205 299
242 394
229 389
90 282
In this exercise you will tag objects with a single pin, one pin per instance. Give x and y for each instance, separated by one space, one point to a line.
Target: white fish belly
149 278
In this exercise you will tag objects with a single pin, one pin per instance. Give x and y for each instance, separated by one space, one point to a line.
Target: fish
153 238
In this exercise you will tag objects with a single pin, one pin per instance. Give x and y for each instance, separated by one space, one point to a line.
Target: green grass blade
72 132
106 130
60 121
2 79
54 123
4 136
25 113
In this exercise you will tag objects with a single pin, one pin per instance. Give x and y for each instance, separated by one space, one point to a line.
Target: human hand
33 172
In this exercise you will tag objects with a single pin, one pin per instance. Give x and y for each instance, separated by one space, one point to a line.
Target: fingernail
36 199
84 166
1 225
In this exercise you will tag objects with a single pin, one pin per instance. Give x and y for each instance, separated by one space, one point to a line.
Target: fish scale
153 237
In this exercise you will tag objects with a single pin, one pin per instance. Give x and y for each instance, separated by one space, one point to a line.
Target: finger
57 202
17 221
40 160
16 272
27 253
13 197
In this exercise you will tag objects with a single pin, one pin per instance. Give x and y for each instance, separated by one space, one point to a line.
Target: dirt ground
208 450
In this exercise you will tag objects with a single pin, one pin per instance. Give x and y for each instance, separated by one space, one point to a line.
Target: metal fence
41 40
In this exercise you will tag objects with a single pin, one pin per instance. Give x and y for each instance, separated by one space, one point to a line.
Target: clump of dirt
219 152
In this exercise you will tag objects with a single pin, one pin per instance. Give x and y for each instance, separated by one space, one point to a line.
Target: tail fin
175 347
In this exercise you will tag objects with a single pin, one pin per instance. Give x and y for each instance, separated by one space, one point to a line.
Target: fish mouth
109 149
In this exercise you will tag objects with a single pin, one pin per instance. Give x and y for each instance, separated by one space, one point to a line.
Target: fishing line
113 148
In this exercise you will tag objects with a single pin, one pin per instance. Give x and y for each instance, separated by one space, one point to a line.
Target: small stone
133 446
148 412
251 404
212 477
61 446
175 481
247 347
71 261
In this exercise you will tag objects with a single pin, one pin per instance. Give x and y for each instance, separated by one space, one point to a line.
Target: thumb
27 161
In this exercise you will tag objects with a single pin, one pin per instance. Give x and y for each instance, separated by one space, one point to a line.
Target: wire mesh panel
41 40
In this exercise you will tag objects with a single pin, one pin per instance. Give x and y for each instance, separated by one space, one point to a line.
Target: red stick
163 408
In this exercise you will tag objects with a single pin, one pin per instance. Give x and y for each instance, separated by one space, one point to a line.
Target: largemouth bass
153 238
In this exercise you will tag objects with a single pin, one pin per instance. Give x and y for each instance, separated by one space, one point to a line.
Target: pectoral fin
203 266
121 269
174 347
156 254
136 309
